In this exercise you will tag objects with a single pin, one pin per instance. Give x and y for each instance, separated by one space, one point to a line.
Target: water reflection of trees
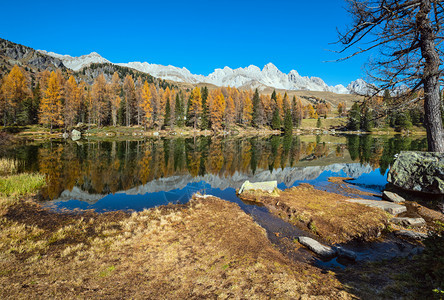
380 152
110 166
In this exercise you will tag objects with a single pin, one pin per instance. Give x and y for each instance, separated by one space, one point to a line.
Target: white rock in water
317 247
267 186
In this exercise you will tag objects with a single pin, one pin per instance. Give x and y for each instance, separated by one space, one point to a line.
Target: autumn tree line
57 101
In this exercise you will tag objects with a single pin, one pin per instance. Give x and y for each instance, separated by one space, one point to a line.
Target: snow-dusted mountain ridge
250 77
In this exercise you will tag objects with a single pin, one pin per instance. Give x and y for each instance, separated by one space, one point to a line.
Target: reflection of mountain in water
287 176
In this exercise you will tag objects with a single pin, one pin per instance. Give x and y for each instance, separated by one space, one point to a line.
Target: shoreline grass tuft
21 184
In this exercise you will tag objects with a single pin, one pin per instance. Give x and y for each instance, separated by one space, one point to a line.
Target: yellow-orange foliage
247 111
229 112
99 107
14 90
115 97
146 106
311 112
196 105
72 101
51 105
217 109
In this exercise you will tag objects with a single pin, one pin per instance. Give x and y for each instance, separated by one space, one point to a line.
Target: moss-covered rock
418 171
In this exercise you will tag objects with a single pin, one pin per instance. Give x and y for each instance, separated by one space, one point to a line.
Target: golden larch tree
229 112
247 111
51 105
195 106
99 102
72 102
14 90
114 97
146 106
217 109
129 90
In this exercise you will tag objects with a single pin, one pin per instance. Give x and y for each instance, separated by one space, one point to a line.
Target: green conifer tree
178 110
288 122
276 120
205 122
354 117
256 116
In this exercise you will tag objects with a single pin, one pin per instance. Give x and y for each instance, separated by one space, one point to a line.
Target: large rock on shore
267 186
419 172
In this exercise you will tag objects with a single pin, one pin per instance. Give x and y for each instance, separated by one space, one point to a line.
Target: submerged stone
411 234
393 197
409 221
418 171
345 253
317 247
267 186
389 207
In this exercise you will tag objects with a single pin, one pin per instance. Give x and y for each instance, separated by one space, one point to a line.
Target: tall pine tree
257 114
205 124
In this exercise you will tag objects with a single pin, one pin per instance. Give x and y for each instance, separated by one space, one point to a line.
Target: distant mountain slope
12 53
86 67
77 63
249 77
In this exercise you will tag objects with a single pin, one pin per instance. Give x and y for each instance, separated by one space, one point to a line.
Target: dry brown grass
325 214
7 166
208 248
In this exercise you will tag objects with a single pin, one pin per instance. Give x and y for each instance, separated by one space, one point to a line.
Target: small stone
65 135
390 196
411 234
409 221
317 247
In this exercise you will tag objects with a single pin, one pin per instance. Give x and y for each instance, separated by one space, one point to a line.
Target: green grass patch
21 184
325 123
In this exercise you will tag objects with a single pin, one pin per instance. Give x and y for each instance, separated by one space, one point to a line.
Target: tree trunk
432 103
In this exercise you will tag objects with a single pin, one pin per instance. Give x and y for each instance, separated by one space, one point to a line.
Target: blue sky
198 35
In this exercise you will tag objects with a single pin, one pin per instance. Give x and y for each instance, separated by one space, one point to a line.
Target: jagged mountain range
249 77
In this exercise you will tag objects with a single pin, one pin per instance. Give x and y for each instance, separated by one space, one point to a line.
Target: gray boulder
65 135
390 196
267 186
418 171
317 247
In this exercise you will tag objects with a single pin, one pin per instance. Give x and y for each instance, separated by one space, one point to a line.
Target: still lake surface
142 173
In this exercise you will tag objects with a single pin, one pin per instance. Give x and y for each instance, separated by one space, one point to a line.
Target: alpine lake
140 173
